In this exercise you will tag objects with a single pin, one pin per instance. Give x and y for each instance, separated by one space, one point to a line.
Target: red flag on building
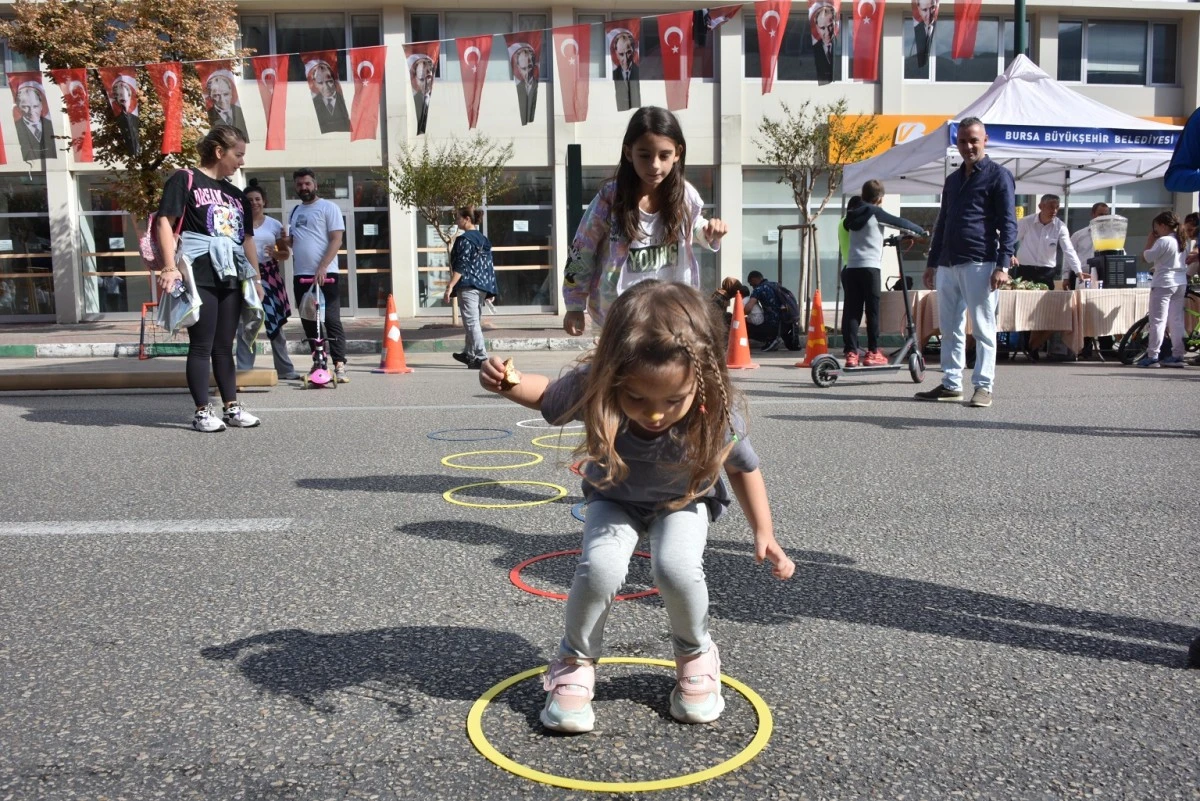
271 72
421 58
221 100
321 72
366 66
165 77
966 23
121 84
770 17
572 48
868 32
675 37
31 116
716 17
73 85
473 55
525 58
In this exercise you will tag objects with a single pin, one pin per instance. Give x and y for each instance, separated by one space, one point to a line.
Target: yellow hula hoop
448 495
537 457
537 440
481 743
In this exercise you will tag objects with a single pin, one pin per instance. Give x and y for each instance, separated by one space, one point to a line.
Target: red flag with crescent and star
675 36
572 50
271 73
868 32
165 77
73 85
770 17
473 55
366 67
966 24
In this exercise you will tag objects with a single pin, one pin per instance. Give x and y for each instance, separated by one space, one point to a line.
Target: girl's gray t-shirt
651 481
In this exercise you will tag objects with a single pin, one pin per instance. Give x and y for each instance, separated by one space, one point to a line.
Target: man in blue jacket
1183 174
968 261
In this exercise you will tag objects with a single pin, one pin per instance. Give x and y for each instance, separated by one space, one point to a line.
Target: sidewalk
363 336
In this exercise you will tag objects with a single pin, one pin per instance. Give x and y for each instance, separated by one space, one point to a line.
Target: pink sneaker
875 358
569 685
852 359
696 697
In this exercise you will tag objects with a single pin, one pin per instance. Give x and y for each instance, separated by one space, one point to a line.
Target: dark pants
861 285
762 332
210 341
334 333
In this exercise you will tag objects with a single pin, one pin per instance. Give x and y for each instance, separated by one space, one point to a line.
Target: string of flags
678 34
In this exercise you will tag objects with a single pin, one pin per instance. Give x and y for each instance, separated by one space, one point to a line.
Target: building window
26 272
255 34
113 278
1118 52
982 67
477 23
767 205
12 61
798 54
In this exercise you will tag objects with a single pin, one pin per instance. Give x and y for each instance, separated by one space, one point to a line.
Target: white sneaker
204 421
238 417
696 697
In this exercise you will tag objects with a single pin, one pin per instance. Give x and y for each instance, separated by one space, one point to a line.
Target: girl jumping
640 225
656 403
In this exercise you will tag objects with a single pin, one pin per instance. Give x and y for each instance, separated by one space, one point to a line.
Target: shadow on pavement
388 665
914 423
492 493
110 416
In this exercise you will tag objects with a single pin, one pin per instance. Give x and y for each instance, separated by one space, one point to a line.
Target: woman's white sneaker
238 417
206 422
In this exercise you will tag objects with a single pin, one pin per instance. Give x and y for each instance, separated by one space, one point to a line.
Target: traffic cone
737 356
816 344
392 360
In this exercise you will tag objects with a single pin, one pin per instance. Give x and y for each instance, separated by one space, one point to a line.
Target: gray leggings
610 536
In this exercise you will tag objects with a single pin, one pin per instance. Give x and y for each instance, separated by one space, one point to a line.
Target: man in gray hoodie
860 278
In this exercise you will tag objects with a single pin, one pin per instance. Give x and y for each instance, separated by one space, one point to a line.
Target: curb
108 350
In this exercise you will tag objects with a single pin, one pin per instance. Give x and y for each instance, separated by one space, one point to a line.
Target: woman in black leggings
217 245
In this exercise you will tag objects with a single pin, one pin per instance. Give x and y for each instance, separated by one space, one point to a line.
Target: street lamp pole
1019 33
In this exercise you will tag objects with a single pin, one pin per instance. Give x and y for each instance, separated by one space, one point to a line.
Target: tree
114 33
457 173
810 145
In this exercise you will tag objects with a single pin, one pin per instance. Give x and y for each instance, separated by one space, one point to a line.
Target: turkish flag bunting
573 50
966 23
720 15
35 134
124 94
422 58
868 31
770 17
675 36
73 85
473 55
270 71
366 65
166 77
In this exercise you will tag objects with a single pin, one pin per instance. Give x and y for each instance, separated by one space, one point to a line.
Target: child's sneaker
1174 361
238 417
340 374
875 358
852 359
206 422
1146 361
697 697
569 685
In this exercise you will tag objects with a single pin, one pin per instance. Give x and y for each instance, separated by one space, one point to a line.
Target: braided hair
652 326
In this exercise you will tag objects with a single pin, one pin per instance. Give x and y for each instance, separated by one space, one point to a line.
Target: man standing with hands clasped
316 237
968 261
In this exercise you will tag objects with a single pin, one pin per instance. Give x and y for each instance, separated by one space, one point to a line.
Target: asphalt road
989 603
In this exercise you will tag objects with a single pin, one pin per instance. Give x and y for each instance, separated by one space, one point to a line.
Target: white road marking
502 408
254 525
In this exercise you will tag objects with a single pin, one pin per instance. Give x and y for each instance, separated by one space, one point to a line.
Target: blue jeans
470 303
964 288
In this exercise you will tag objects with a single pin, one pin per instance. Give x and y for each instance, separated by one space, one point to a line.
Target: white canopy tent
1052 139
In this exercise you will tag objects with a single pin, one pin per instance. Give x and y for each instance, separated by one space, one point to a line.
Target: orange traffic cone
392 360
816 344
737 356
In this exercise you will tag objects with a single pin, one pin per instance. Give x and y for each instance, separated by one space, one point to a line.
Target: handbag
182 310
152 255
309 303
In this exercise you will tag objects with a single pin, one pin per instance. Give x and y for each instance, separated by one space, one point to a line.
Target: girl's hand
573 323
490 373
767 547
167 279
258 287
714 230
